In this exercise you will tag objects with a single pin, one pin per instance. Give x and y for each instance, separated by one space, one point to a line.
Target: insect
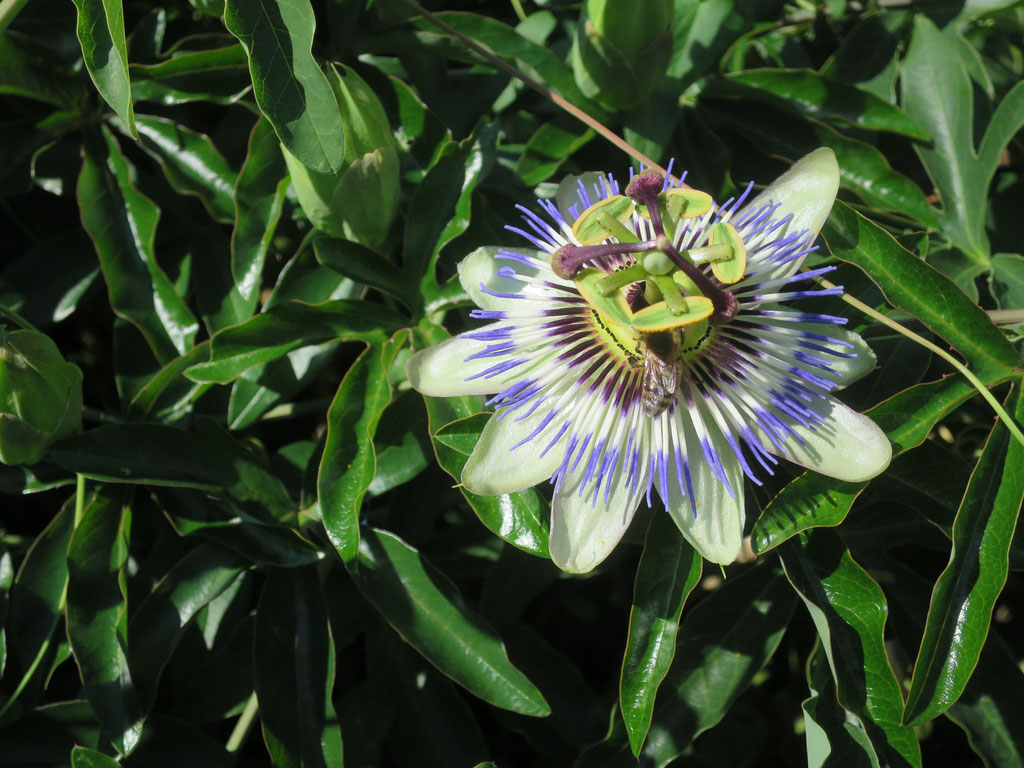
662 369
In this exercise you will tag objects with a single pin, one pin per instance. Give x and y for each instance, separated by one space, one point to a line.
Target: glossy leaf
1006 280
192 164
97 617
862 168
723 643
289 85
547 149
439 210
832 737
122 224
83 757
37 598
105 52
348 465
218 75
669 570
913 286
258 200
937 93
248 530
359 263
272 334
965 593
209 459
160 621
519 518
294 672
821 97
506 42
849 612
426 609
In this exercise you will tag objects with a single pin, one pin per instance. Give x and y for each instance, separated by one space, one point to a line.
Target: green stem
9 9
974 380
542 89
244 724
517 6
14 317
79 499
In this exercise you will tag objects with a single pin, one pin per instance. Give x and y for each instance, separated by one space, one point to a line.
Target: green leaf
83 757
439 209
248 530
191 163
105 52
159 623
821 97
219 75
46 735
259 198
965 593
832 737
168 391
28 69
284 327
294 671
547 149
426 609
290 88
37 600
669 570
348 465
723 643
359 263
519 518
915 287
502 40
937 93
777 130
97 617
849 612
1006 281
209 459
122 224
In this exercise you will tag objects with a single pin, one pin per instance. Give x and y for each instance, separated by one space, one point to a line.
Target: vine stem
244 724
917 339
622 144
542 89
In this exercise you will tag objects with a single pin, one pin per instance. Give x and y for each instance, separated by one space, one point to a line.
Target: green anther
589 227
613 308
606 286
616 228
670 291
652 294
711 253
686 285
732 270
682 203
657 263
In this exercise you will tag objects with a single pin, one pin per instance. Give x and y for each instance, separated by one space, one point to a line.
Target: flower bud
621 50
358 203
40 396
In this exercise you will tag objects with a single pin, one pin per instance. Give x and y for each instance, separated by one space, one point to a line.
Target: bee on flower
644 348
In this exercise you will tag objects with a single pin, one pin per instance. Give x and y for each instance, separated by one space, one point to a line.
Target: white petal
497 467
585 531
481 268
849 447
850 369
806 191
442 370
716 531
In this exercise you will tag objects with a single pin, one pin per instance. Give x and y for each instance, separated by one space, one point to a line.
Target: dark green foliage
261 524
